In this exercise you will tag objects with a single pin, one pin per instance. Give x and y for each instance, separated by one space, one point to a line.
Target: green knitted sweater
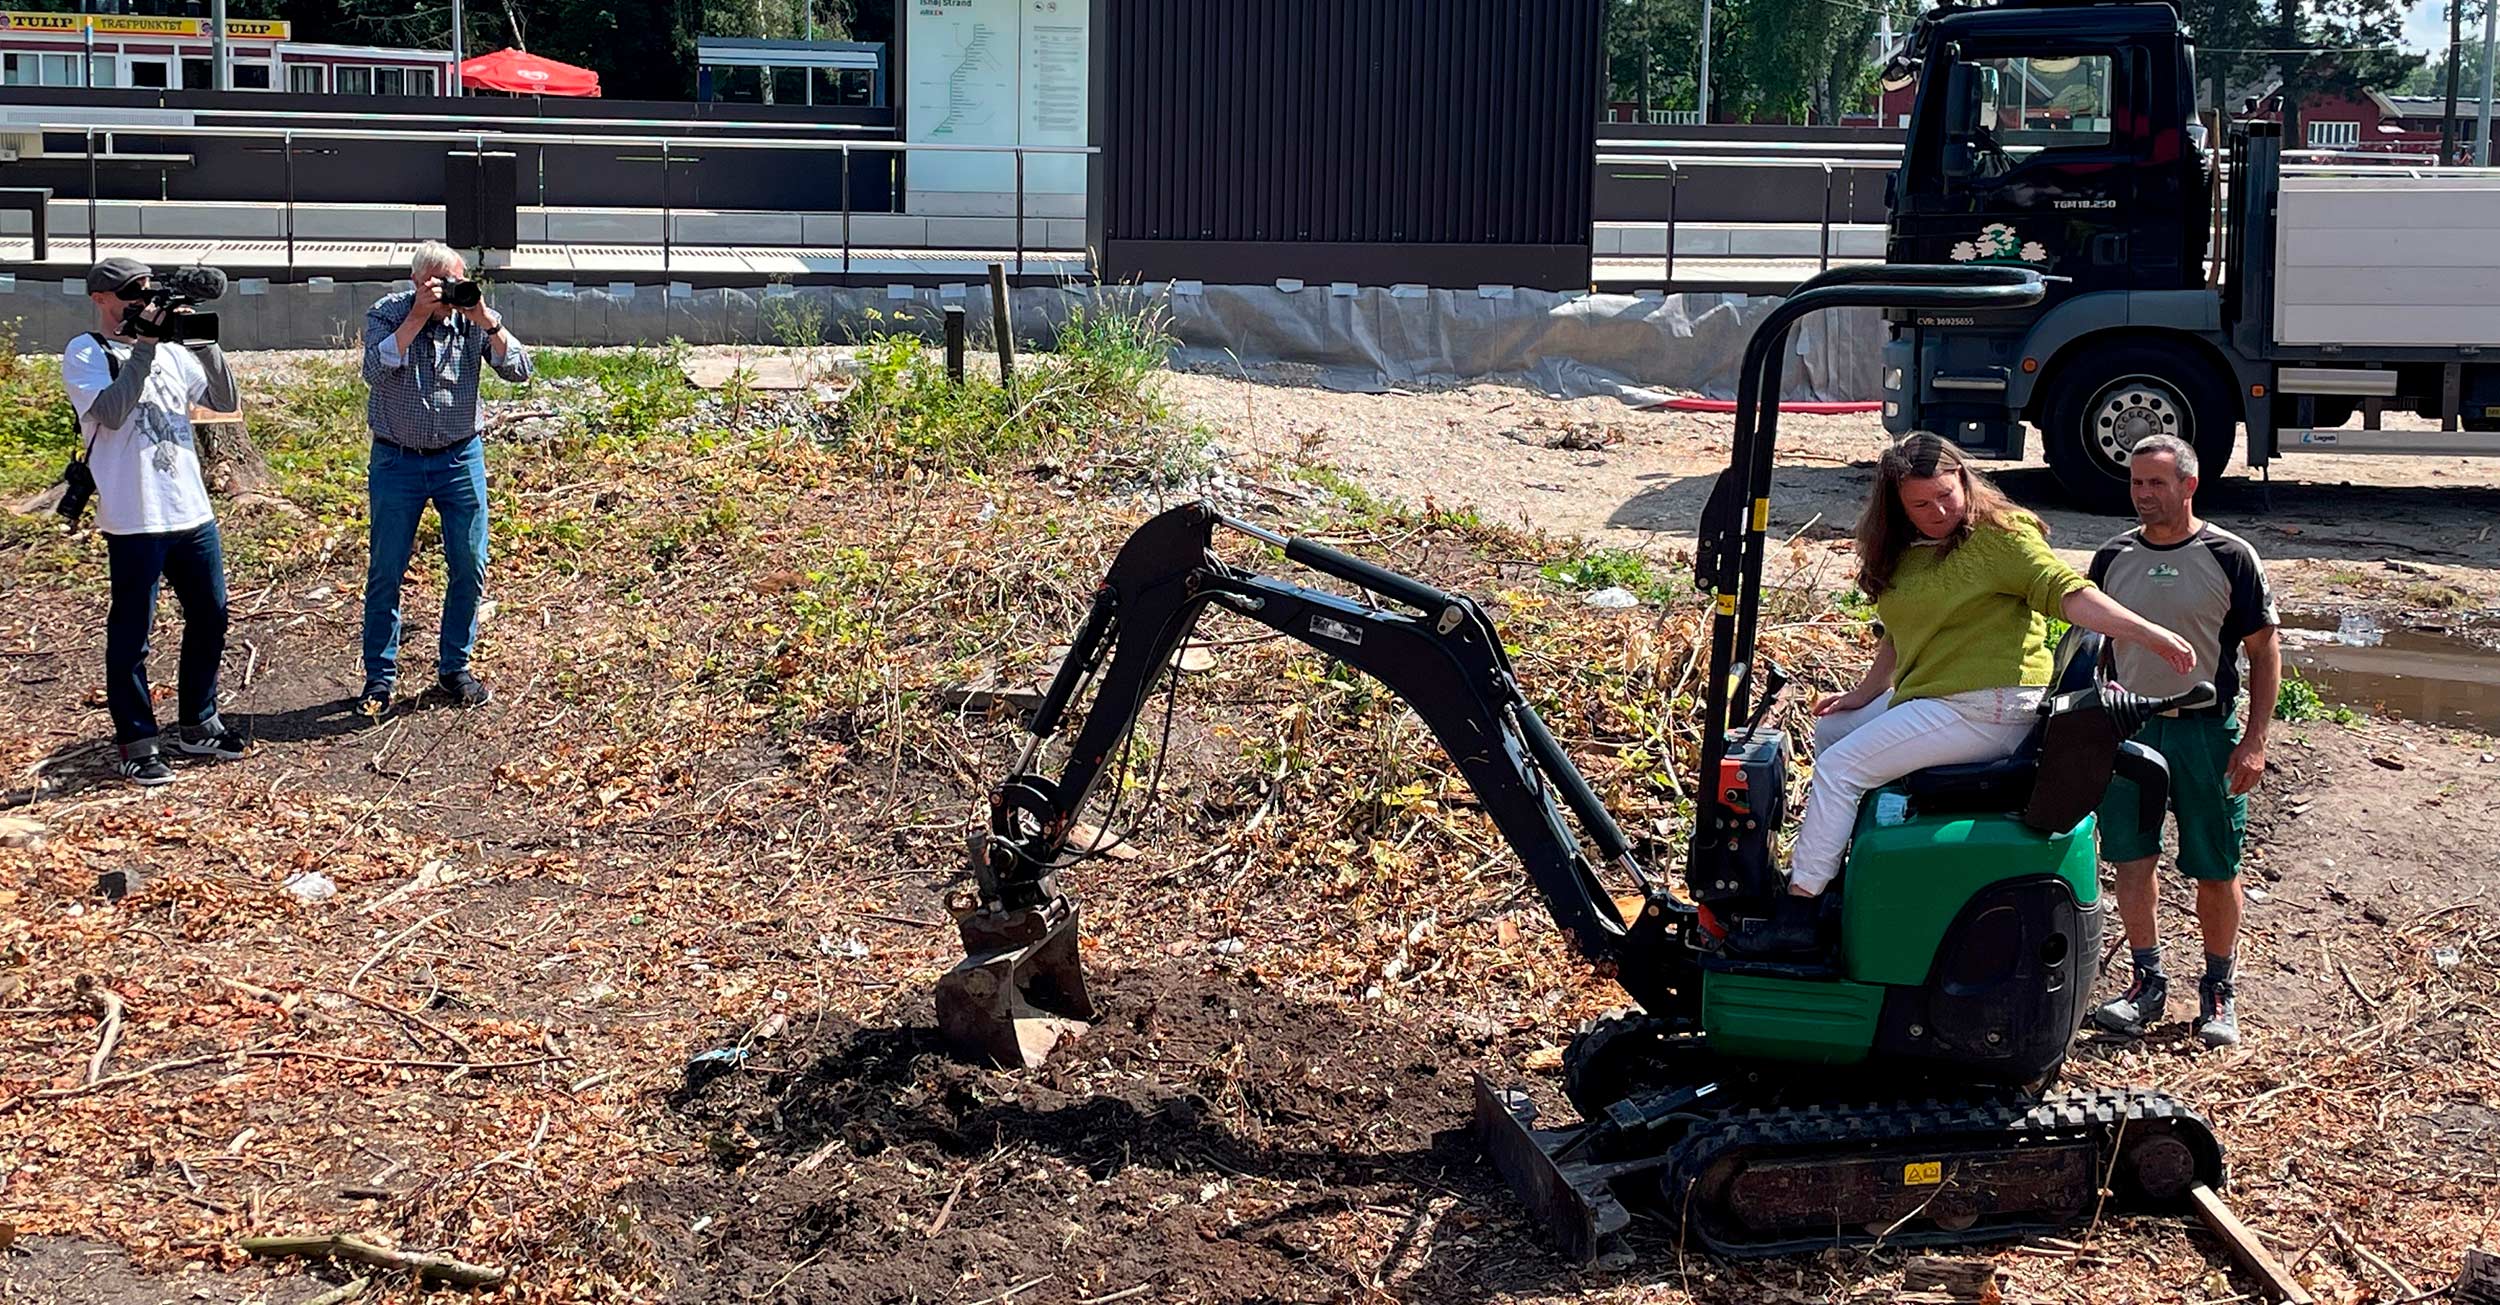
1972 618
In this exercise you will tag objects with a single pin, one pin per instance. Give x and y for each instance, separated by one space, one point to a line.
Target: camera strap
112 372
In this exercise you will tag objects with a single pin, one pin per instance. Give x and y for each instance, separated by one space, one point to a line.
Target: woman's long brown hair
1885 529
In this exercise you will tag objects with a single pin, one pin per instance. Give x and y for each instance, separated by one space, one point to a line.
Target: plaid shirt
426 397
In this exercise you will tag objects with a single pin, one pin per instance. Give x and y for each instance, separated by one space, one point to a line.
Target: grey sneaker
2139 1010
2217 1014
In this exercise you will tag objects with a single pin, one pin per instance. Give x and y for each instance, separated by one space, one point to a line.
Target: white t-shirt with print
147 470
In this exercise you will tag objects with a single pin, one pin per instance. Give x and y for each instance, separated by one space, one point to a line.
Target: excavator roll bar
1728 556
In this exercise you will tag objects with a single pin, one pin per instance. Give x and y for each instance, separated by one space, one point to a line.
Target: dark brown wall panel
1449 142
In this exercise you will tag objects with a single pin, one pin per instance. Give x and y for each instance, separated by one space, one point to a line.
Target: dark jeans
194 563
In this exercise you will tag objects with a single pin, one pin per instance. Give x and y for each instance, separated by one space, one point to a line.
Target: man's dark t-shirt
2209 588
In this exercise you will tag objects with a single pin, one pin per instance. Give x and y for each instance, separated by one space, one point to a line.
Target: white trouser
1858 751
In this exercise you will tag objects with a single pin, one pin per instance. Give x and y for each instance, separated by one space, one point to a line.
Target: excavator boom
1020 984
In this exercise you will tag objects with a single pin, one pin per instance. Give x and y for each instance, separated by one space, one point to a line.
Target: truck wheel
2113 396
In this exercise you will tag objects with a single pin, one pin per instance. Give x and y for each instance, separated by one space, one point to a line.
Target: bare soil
635 857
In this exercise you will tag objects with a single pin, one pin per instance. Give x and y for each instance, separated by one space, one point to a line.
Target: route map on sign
979 84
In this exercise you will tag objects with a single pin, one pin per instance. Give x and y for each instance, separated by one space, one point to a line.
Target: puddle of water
2362 662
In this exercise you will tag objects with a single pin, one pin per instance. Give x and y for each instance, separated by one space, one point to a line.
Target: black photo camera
77 490
177 289
463 294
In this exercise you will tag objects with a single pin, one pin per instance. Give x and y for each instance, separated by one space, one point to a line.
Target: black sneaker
374 702
2217 1014
147 770
210 740
465 690
2140 1009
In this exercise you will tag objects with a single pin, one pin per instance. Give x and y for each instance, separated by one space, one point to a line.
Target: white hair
433 258
2180 453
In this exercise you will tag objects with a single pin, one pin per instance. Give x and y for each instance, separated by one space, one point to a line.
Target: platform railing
479 139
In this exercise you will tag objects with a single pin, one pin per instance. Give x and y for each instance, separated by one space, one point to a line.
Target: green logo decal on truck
2000 243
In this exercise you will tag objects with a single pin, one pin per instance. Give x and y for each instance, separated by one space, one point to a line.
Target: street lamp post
1703 82
2482 131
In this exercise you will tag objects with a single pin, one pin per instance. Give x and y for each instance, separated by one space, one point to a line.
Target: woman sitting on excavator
1962 579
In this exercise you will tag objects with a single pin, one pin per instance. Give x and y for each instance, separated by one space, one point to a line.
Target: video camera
177 289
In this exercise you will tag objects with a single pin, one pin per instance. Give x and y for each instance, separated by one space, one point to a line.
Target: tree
2230 36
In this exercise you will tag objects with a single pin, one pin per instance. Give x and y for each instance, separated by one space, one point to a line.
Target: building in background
141 52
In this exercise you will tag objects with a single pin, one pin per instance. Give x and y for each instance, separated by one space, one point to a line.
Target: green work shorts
2213 822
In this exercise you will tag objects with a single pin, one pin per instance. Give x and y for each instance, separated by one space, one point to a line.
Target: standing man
423 351
133 394
2207 584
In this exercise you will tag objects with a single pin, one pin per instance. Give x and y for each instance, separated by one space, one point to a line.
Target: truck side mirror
1962 92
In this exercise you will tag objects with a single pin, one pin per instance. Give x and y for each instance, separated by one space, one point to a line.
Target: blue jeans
399 485
194 563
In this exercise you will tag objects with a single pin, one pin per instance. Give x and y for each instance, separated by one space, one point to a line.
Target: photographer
133 394
423 350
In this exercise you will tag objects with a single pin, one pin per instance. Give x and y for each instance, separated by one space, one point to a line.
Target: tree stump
1935 1280
230 464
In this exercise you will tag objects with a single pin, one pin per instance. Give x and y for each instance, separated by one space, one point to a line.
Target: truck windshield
2028 103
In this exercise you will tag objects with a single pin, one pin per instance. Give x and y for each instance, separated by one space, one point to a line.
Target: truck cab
2061 135
2058 137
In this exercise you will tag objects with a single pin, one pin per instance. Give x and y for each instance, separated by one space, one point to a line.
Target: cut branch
423 1268
107 1005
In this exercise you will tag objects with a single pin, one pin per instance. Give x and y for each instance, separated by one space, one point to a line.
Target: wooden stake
2280 1286
1003 321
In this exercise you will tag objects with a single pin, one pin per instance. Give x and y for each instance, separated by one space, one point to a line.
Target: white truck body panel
2387 261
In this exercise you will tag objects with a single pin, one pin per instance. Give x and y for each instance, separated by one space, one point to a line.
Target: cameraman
423 348
133 396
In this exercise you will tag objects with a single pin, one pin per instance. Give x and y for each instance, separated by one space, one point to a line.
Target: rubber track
2002 1124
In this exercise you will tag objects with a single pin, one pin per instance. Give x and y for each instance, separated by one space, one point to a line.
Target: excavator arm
1021 983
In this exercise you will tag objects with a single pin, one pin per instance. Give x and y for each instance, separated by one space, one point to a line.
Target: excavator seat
2006 783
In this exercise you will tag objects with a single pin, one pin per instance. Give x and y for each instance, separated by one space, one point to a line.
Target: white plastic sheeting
1574 345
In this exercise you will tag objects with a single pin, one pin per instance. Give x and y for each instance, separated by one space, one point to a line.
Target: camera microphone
199 283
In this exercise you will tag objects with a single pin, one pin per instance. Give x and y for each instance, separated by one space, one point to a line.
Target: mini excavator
1893 1084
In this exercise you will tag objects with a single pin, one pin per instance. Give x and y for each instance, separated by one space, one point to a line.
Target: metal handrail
480 117
1740 161
540 138
477 139
1677 164
1772 145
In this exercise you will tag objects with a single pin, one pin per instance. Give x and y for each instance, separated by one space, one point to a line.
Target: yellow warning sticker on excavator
1727 604
1926 1173
1761 514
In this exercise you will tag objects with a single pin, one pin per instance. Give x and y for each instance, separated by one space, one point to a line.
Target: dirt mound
1207 1135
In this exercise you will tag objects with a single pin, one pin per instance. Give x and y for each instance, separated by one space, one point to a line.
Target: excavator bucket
1019 990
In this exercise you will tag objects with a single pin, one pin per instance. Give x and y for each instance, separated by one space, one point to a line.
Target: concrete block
868 230
213 221
353 222
113 217
1699 242
603 226
532 224
1767 241
971 233
741 228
